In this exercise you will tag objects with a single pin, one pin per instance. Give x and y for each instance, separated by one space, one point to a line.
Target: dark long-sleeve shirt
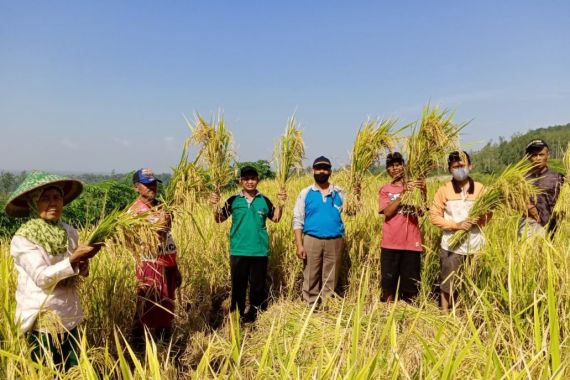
549 183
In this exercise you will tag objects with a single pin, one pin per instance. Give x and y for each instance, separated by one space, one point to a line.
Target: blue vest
322 219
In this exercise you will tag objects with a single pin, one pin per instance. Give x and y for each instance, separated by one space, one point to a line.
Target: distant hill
494 156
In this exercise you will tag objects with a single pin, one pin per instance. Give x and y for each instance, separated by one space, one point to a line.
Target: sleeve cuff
64 269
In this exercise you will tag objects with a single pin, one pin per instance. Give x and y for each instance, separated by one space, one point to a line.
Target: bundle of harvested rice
511 191
216 150
373 138
427 147
117 222
185 185
562 207
289 153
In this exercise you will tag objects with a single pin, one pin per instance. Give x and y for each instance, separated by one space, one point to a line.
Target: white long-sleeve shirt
38 276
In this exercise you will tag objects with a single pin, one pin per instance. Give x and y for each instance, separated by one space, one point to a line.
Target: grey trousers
321 267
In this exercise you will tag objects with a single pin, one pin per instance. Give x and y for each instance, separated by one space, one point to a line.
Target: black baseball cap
322 161
392 158
535 146
248 171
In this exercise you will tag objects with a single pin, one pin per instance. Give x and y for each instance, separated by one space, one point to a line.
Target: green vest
248 235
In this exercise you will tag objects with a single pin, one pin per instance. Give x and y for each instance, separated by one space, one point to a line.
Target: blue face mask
460 174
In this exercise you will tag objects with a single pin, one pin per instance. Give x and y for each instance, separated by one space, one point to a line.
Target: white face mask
460 174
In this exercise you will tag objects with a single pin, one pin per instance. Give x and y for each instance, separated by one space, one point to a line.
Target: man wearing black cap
549 182
319 232
249 241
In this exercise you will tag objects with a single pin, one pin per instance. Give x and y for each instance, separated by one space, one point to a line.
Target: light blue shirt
319 215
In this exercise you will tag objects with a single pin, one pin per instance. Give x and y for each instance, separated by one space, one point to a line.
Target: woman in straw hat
48 259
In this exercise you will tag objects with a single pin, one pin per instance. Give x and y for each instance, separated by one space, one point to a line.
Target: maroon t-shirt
401 231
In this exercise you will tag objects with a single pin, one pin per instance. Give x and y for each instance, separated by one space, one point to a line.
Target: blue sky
102 85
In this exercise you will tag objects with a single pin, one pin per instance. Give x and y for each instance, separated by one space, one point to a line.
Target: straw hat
17 204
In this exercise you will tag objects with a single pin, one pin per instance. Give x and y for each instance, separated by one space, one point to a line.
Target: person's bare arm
392 209
299 242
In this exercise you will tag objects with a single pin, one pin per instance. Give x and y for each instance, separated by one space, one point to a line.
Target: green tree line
494 156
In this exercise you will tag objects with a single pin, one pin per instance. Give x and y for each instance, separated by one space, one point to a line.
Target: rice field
511 320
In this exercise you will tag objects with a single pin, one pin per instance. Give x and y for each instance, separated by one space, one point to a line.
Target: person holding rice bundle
319 233
249 241
401 246
539 214
449 212
48 260
157 273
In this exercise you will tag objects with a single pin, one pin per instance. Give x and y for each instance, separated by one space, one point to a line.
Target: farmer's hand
533 213
358 189
282 197
421 184
84 252
410 185
214 199
301 252
164 223
484 219
417 184
466 225
166 219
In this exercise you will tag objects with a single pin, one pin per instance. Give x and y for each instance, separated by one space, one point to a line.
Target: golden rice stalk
216 150
427 147
186 184
374 137
117 221
561 209
289 152
510 191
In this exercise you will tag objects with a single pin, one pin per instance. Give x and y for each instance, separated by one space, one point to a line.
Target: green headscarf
51 236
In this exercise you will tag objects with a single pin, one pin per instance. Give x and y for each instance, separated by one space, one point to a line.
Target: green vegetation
494 157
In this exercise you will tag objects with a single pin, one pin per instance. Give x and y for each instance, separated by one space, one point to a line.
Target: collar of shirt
330 189
242 195
541 174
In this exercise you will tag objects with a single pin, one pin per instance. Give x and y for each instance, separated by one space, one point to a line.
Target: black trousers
252 270
403 266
